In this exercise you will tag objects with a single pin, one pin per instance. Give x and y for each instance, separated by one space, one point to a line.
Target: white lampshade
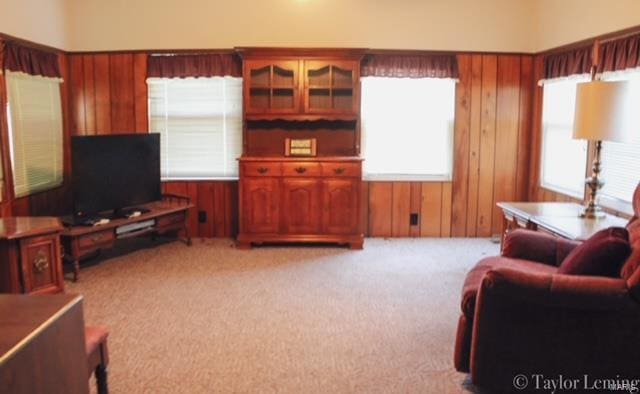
607 111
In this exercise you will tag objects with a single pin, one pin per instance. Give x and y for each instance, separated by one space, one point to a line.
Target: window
35 132
620 162
564 160
407 128
200 123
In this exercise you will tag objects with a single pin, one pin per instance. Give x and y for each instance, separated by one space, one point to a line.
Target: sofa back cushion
601 255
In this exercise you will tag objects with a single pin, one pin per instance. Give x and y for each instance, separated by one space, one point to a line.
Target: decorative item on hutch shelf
300 147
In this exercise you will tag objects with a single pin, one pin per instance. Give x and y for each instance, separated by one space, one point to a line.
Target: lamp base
592 212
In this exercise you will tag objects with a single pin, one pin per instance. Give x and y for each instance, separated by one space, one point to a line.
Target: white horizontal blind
621 161
564 160
200 123
35 132
407 128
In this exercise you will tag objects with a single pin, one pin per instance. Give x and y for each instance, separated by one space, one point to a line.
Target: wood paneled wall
107 94
491 158
52 202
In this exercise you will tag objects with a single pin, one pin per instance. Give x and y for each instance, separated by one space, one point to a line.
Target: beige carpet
210 318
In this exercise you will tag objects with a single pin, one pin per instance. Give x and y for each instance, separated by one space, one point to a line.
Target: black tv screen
114 172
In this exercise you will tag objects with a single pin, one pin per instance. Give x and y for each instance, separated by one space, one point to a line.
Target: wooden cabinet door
260 205
330 86
271 86
41 264
340 201
301 206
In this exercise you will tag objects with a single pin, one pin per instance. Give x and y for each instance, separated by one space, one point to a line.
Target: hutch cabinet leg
243 245
356 245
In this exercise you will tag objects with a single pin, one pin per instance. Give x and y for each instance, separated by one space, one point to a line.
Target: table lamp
603 112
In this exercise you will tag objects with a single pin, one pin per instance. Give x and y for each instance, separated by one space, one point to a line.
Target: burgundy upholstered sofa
520 317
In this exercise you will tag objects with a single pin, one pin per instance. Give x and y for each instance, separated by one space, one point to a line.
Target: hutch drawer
261 169
297 169
341 169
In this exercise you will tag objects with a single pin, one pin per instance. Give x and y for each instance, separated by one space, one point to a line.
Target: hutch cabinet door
301 199
340 206
330 86
271 87
41 264
260 205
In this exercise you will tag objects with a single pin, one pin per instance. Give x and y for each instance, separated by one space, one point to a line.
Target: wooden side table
30 256
558 218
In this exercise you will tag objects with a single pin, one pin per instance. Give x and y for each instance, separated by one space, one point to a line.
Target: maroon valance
620 54
30 60
573 62
411 66
200 65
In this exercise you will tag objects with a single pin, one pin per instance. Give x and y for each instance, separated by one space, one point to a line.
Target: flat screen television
114 172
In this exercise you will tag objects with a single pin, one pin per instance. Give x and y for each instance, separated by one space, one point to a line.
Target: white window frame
373 171
608 201
28 118
580 193
231 114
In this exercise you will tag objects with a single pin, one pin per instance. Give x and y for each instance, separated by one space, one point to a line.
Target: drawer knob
40 263
301 170
339 170
263 170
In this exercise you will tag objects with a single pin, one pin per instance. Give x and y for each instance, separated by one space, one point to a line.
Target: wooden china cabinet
294 96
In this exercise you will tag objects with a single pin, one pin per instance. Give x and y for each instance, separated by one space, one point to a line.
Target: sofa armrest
557 290
537 246
534 323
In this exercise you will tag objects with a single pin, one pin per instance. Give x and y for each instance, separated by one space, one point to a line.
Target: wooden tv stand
171 214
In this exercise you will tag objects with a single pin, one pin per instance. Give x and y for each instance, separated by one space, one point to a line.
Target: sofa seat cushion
474 277
603 254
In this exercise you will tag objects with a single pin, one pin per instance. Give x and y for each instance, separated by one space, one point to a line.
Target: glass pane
282 77
620 170
621 161
259 98
342 99
319 98
564 160
260 76
407 127
319 77
282 99
200 125
342 78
